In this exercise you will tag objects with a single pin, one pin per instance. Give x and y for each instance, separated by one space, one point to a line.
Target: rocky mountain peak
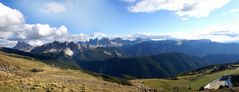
23 46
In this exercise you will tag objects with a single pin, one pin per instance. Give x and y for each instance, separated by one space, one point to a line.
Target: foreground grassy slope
16 76
184 83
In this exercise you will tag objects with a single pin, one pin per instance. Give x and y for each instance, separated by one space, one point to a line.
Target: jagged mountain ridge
57 47
78 51
107 42
23 46
94 49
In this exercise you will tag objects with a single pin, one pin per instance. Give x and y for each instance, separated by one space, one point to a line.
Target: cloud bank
234 10
182 8
14 28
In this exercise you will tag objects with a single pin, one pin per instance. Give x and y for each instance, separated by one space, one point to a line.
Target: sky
41 21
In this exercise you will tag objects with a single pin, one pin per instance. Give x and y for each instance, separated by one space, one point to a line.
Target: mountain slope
161 65
19 74
221 59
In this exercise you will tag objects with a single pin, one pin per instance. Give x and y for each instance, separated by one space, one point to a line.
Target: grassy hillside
184 83
20 74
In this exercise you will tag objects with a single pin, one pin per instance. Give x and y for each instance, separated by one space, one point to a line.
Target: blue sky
129 17
113 17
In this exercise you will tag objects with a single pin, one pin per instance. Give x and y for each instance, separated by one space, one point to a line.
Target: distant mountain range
190 47
135 58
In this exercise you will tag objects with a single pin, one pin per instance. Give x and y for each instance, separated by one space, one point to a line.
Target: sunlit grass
184 82
51 78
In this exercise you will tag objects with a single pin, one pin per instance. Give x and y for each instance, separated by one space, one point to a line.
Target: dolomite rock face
23 46
68 52
77 51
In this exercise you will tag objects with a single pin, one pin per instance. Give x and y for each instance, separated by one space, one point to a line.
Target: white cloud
184 18
129 1
36 31
234 10
36 42
54 7
182 8
67 37
7 43
73 37
14 28
98 35
147 36
219 33
10 16
9 20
